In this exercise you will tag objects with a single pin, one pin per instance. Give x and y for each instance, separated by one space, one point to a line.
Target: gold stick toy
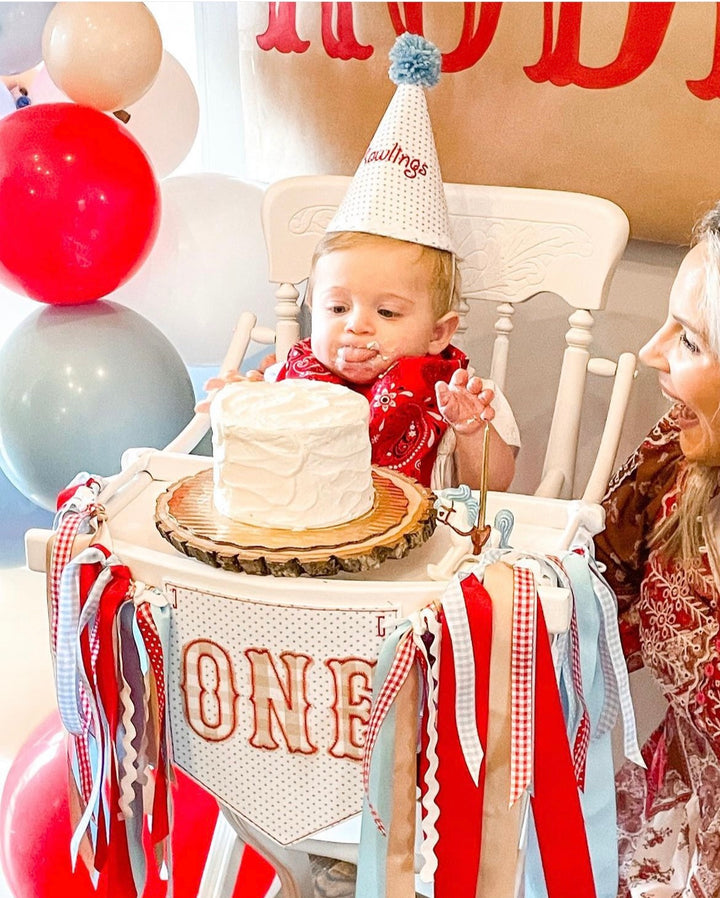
481 532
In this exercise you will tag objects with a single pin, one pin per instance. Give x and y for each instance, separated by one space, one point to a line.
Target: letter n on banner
285 703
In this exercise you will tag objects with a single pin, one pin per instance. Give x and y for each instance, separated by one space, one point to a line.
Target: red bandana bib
405 425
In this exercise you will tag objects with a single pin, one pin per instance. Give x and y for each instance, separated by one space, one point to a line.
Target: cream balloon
207 265
104 55
165 121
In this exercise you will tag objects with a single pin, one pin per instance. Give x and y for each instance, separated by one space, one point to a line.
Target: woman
661 551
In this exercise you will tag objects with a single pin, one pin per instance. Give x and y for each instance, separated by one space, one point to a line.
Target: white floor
27 695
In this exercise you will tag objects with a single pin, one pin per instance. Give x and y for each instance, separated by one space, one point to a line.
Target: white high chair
515 243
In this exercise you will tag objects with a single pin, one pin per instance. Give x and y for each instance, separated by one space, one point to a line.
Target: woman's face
689 370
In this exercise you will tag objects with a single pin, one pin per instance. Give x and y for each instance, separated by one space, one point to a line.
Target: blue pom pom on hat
397 189
415 60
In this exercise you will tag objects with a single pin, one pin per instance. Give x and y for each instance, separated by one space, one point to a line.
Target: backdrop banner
614 99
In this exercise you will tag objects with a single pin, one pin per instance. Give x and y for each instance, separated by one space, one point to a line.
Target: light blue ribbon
372 853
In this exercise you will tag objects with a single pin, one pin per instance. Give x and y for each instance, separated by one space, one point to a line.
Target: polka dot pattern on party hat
397 190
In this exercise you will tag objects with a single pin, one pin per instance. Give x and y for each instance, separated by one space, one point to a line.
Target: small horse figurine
459 510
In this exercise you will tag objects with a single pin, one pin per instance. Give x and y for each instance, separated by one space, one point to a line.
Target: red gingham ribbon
582 736
522 681
60 555
401 667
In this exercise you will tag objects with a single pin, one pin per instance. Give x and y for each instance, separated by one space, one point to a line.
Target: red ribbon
556 801
460 801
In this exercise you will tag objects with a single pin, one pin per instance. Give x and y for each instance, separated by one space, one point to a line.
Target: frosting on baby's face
372 305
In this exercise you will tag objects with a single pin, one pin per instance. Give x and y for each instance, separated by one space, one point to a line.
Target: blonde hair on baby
442 266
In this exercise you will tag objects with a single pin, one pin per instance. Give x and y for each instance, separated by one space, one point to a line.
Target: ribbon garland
106 639
544 766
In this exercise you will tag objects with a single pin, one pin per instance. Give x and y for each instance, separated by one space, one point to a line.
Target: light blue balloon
21 29
78 386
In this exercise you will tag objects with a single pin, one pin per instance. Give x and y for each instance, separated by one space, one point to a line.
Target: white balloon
208 264
44 90
14 308
165 120
7 101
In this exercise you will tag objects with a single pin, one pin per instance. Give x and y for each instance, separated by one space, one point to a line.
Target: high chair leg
292 867
223 861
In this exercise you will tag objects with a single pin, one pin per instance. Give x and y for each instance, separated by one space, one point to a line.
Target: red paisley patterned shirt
669 814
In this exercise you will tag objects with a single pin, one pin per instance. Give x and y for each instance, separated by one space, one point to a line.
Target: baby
383 315
384 290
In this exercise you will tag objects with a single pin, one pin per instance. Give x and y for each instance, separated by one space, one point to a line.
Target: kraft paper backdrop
651 145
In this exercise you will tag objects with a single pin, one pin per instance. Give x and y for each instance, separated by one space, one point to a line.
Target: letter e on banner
352 679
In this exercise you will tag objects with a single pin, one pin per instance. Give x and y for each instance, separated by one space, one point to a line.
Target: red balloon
35 832
79 203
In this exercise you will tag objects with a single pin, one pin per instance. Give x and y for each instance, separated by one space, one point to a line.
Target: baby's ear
443 332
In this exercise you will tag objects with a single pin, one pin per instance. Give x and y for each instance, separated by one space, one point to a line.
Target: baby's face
372 305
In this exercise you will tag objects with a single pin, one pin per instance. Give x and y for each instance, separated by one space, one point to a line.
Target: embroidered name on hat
396 155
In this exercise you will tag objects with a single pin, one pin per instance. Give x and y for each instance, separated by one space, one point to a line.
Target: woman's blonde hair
441 264
685 532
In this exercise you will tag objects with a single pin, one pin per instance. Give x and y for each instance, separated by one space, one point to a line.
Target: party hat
397 190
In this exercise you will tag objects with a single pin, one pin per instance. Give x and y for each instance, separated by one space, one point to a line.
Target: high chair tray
403 583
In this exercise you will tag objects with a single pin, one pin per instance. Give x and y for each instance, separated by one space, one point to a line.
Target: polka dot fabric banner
269 703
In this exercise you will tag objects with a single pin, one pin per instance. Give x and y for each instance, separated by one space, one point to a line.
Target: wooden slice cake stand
401 518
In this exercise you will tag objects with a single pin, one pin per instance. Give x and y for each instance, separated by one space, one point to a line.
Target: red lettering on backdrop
282 699
344 44
413 21
352 680
281 33
474 40
559 63
709 87
645 31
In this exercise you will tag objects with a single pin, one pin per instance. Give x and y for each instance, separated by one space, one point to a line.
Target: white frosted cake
292 455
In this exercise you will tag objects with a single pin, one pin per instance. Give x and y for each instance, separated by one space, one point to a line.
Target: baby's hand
463 402
217 383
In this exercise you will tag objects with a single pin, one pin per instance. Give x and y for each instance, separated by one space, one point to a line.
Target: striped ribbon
522 681
401 666
61 554
621 692
582 734
456 617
